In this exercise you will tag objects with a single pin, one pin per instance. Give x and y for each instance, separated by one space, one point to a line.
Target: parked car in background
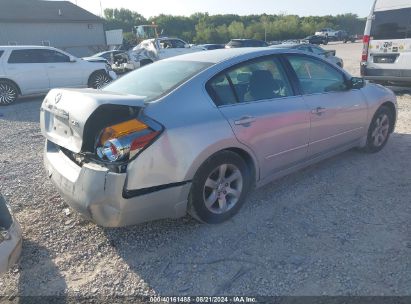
195 133
346 37
328 55
291 41
26 70
315 39
386 56
151 50
10 237
210 47
240 43
274 42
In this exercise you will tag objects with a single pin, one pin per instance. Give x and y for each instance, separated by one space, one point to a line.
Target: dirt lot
342 227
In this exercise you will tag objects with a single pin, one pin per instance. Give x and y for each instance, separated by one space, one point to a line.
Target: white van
386 56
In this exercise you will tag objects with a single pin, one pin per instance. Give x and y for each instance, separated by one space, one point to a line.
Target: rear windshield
393 24
157 79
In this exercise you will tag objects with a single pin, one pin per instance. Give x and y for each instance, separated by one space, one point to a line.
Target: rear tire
99 79
379 130
8 93
219 188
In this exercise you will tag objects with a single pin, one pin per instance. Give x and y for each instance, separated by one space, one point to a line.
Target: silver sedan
196 133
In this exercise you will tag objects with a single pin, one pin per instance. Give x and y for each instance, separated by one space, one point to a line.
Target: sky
240 7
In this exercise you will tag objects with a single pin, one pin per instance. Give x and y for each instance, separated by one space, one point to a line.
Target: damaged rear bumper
97 193
11 238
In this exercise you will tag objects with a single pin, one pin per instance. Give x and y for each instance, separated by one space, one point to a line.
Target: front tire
8 93
219 188
98 80
379 130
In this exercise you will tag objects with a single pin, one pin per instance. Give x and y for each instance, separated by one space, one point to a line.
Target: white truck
327 32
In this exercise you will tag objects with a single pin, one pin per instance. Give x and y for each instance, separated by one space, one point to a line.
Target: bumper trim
127 194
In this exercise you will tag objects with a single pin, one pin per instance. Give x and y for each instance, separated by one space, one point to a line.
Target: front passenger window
51 56
316 76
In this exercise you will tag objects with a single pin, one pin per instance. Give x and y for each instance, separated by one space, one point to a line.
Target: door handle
247 120
319 111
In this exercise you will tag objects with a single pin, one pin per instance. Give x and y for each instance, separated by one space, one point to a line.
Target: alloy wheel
381 130
100 80
223 188
8 94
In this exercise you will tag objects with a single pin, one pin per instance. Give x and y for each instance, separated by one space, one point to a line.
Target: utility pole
101 10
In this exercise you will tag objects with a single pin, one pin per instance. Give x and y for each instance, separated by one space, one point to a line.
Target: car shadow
38 276
400 91
26 109
330 229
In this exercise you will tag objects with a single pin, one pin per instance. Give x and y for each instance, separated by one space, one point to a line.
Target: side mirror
357 83
73 59
187 46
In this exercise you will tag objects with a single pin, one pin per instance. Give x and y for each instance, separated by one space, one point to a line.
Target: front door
259 103
62 72
337 113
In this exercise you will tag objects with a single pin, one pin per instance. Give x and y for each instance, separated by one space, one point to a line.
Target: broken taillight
123 141
366 45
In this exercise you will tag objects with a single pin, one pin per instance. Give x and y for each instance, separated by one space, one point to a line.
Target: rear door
258 101
27 69
338 114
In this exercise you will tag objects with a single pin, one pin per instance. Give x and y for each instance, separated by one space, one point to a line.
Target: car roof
245 39
292 45
220 55
25 47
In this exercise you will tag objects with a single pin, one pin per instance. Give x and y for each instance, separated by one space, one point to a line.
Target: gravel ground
342 227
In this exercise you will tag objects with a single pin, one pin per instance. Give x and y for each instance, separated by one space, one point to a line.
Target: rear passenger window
259 80
316 76
25 56
252 81
220 91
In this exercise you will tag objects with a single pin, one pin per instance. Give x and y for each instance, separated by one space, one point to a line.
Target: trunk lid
64 113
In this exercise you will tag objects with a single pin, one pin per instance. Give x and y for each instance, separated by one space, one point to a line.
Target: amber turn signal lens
121 129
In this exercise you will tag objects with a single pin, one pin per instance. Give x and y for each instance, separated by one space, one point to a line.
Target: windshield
98 54
155 80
